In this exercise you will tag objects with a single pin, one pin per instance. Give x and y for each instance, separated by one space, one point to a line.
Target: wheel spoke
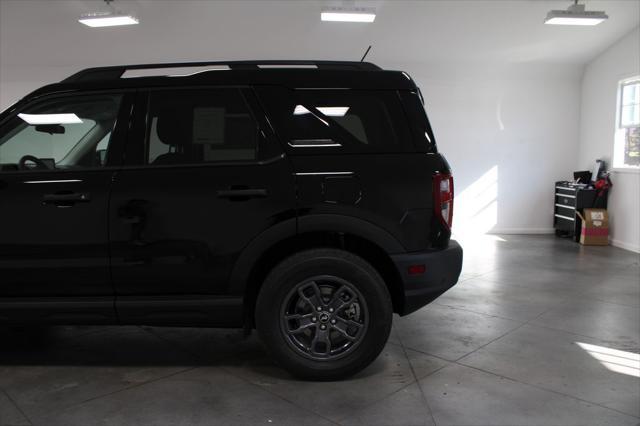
303 322
337 302
314 299
321 341
343 325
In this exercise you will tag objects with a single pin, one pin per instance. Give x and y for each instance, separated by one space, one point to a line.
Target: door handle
65 199
242 194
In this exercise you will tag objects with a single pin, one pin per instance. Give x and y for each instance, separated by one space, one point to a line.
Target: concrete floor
524 338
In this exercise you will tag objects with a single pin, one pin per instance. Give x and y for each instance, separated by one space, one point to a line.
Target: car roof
291 74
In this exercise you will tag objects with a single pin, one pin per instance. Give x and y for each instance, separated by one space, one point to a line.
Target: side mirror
52 129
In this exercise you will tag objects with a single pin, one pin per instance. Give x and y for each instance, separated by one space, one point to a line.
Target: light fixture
111 18
575 15
107 20
38 119
353 14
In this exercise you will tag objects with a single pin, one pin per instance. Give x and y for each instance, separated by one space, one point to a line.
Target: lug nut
322 327
318 308
330 309
333 321
314 319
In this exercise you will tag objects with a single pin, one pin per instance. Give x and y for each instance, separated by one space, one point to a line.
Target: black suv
306 199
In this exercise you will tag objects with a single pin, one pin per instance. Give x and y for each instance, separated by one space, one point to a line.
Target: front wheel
324 314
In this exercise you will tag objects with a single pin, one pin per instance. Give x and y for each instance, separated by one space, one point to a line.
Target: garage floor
540 331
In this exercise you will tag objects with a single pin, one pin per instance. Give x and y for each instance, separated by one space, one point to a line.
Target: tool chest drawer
565 200
563 190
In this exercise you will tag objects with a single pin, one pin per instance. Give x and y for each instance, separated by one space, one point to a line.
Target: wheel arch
357 236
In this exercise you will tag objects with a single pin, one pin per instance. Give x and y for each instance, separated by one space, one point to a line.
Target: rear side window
344 120
200 126
419 123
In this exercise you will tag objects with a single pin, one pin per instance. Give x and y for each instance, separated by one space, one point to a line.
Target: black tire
361 298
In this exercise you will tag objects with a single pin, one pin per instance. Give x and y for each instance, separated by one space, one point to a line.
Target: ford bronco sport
306 199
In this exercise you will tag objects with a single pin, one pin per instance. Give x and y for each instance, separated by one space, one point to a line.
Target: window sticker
208 126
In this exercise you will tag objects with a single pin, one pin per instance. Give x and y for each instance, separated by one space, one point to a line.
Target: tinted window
419 123
199 126
61 133
348 120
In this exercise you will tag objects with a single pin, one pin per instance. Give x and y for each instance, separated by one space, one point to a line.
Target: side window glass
101 149
346 114
60 134
200 126
351 120
419 123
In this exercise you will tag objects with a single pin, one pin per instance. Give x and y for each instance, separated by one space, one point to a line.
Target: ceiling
46 33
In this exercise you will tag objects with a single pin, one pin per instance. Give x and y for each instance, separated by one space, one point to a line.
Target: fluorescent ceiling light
356 14
328 111
36 119
575 15
107 20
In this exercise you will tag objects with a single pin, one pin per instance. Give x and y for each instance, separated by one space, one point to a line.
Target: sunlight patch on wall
476 207
614 360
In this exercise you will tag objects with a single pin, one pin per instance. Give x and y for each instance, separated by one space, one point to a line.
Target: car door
204 177
57 159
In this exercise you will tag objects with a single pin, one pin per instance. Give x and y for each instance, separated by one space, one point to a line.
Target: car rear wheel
324 314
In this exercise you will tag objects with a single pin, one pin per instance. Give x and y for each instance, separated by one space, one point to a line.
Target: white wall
509 134
597 125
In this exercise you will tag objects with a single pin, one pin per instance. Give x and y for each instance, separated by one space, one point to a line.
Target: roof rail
116 72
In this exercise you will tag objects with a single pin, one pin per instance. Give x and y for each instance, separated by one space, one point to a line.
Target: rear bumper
442 269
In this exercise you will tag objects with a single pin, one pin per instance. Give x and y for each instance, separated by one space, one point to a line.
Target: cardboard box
595 227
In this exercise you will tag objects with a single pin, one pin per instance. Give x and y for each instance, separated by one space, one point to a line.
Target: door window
60 134
200 126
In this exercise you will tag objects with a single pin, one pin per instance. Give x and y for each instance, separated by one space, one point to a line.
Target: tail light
443 198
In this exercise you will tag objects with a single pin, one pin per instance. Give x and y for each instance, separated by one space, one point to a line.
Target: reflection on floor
540 331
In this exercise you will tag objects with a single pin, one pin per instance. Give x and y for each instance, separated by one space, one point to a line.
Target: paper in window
208 126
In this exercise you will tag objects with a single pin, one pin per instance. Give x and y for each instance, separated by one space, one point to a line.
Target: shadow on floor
124 346
132 346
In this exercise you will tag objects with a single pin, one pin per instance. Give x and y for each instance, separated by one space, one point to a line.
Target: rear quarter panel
391 191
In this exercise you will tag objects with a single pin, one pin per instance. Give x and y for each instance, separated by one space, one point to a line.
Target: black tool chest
569 199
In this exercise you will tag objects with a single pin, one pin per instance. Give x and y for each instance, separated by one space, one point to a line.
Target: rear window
344 120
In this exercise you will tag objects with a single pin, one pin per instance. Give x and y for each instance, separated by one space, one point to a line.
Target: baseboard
515 231
540 231
624 245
